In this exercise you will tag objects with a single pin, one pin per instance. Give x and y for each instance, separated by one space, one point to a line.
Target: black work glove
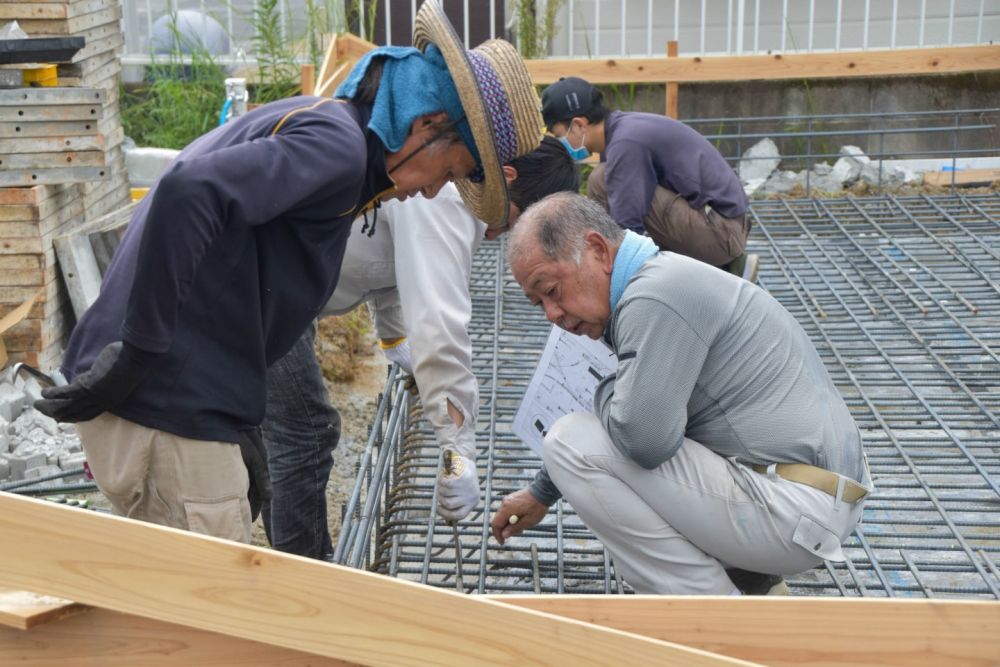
255 459
116 372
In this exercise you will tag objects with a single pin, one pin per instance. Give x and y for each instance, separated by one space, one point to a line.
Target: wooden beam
794 631
672 87
23 610
900 62
281 600
308 79
110 639
962 177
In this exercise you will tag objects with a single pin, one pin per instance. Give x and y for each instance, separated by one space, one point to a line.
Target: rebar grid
901 296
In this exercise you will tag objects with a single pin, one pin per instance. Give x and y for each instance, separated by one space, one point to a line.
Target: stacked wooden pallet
50 136
29 220
96 65
66 144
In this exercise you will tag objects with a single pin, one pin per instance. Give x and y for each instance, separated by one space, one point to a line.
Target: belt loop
841 486
772 471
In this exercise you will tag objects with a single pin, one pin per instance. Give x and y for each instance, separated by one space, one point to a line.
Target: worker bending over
411 261
657 176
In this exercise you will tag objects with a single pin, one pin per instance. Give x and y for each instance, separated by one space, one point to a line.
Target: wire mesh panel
901 296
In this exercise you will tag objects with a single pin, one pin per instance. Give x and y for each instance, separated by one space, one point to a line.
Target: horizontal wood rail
850 64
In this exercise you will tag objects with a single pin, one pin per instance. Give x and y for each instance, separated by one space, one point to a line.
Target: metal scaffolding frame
900 295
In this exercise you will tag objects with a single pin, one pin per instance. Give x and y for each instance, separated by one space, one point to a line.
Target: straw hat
500 104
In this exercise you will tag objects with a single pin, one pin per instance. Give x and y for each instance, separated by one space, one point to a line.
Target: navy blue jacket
229 258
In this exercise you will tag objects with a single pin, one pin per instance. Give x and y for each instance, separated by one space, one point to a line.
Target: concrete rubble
760 172
33 445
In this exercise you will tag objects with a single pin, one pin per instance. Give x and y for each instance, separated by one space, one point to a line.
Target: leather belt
817 478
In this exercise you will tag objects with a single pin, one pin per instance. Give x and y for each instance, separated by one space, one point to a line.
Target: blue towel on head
413 84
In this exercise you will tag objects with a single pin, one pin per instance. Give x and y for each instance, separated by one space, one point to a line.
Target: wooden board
106 73
94 142
71 26
23 610
792 631
85 68
55 112
99 39
52 160
962 177
297 603
51 96
55 175
847 64
102 638
50 10
47 129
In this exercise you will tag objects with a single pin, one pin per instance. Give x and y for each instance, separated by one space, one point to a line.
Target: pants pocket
817 539
219 518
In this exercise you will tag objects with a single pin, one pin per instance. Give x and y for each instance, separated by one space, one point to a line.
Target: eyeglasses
445 129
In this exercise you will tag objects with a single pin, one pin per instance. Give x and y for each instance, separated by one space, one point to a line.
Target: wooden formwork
149 595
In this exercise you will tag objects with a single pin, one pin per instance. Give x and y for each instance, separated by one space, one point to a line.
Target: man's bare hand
525 507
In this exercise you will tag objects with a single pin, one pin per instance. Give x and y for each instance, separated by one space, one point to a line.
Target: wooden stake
672 86
308 78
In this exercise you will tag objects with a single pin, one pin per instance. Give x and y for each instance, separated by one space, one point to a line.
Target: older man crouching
721 456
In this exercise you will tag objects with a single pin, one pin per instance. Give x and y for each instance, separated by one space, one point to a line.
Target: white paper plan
564 381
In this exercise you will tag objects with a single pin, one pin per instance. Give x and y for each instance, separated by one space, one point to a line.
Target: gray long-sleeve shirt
707 356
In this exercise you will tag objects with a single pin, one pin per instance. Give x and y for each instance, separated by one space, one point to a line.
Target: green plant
277 69
179 99
533 32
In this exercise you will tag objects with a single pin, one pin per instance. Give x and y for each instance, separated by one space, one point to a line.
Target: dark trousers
301 430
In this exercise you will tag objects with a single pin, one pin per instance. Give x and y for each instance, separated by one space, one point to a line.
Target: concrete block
69 461
16 466
12 402
4 470
145 165
4 443
41 471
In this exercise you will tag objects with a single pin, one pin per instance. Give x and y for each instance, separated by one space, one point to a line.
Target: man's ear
509 173
603 252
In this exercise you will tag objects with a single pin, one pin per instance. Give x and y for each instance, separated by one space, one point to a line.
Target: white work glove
458 481
398 352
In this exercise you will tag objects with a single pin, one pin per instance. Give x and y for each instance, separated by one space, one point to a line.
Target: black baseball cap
567 98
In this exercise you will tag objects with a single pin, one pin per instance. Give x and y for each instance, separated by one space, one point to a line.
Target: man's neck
595 137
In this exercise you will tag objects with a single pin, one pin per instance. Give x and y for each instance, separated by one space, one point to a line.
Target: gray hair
558 225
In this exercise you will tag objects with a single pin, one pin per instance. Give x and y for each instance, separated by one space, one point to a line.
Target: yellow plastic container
42 76
138 193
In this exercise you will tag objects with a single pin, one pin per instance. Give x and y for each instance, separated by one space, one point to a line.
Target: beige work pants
674 225
162 478
675 528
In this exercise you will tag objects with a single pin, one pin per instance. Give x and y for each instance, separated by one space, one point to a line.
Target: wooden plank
79 270
793 631
49 129
106 73
51 96
845 64
84 68
49 10
23 610
55 112
298 603
70 26
100 38
672 88
56 175
105 638
307 76
52 160
53 144
962 177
